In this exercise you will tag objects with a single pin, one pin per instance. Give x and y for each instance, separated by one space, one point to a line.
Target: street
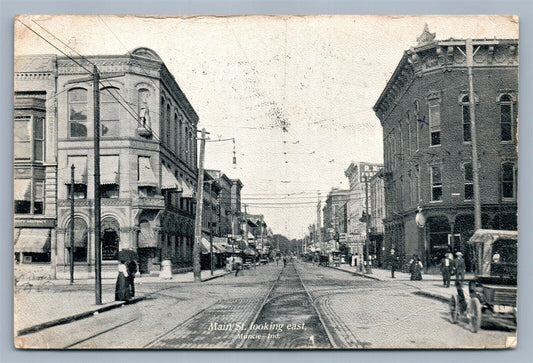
274 307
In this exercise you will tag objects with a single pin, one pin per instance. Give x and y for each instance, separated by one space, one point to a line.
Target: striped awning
146 174
109 170
188 191
80 169
168 180
22 189
33 240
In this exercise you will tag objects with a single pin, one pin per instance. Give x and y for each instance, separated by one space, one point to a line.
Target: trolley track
289 319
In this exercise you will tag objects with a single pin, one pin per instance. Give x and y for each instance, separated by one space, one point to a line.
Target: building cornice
443 56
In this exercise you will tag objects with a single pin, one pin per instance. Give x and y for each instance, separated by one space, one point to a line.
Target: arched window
467 135
176 134
162 122
109 112
168 127
506 117
80 240
143 96
77 112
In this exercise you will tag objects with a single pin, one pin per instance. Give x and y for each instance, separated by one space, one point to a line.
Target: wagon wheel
475 314
454 308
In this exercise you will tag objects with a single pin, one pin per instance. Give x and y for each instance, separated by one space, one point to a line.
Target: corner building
147 167
424 111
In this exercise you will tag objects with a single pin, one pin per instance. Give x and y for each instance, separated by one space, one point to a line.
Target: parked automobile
493 291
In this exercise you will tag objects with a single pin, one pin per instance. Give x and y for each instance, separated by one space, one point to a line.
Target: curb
432 296
215 277
79 316
356 273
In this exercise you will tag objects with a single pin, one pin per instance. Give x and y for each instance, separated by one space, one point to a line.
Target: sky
295 92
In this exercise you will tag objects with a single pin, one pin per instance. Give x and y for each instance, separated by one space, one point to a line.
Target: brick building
424 111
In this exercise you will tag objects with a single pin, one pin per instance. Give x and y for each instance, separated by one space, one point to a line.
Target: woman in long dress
122 288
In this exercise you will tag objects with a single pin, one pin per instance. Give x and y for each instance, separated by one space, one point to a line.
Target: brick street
353 312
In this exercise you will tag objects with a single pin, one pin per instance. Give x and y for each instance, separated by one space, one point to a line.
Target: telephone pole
199 210
471 106
71 252
97 241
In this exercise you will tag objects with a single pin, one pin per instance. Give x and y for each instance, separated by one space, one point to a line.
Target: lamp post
367 226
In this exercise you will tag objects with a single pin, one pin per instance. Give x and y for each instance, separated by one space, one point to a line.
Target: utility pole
318 226
211 227
245 226
95 78
471 106
367 223
199 209
71 254
97 241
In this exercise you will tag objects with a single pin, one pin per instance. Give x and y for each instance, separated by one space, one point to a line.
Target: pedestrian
446 270
412 263
415 267
122 289
284 261
237 266
394 260
132 270
459 267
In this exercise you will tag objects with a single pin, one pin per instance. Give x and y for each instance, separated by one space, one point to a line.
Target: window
469 181
144 111
508 180
28 196
436 183
467 136
162 120
24 128
109 112
409 132
176 135
434 124
417 125
109 191
77 112
80 240
168 128
80 191
22 139
506 117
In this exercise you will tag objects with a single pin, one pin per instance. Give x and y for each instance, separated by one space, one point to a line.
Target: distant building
377 214
148 160
424 111
359 175
331 213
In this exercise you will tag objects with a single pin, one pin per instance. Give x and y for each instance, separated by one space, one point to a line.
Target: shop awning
80 169
146 174
188 190
206 246
109 170
169 181
147 236
490 235
33 240
22 189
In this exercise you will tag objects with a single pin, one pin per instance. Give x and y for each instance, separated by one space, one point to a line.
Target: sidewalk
431 285
36 302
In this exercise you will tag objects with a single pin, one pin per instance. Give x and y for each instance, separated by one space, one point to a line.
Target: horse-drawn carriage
493 290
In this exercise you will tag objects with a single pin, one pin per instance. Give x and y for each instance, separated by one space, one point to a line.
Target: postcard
265 182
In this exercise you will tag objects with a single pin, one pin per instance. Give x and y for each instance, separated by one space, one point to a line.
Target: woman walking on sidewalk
122 288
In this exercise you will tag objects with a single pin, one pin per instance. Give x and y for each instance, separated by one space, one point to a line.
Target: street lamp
366 176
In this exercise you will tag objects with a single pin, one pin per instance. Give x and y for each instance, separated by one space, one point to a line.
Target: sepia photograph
273 182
